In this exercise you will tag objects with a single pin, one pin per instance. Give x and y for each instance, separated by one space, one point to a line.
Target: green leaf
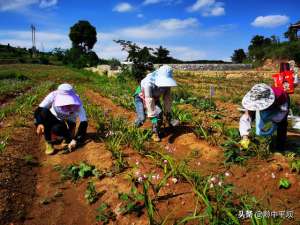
284 183
123 197
102 207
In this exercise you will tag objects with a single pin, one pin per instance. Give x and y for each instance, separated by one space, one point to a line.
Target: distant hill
8 53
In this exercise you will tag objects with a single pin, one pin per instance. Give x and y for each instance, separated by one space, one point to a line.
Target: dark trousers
282 130
55 129
281 134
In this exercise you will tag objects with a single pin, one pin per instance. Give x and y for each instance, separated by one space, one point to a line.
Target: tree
59 53
83 35
238 56
139 56
291 34
258 47
136 54
162 55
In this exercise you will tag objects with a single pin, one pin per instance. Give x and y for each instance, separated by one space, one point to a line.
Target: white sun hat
260 97
164 77
66 96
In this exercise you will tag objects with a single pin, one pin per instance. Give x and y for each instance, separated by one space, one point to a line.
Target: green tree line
262 48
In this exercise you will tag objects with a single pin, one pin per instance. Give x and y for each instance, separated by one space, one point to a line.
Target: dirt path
18 171
67 204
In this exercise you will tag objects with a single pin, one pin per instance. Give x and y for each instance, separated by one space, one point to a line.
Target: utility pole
33 41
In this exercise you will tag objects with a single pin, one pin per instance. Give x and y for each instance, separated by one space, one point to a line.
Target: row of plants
116 132
210 127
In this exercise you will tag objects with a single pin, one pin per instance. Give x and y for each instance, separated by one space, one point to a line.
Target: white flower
220 183
174 180
273 175
137 163
137 173
211 185
165 161
227 174
140 179
213 179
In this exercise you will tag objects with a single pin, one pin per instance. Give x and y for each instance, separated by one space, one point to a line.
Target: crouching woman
265 105
56 117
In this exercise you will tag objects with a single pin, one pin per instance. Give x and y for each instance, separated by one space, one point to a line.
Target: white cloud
200 4
47 3
216 11
46 39
13 5
149 2
208 8
123 7
186 53
270 21
110 50
168 2
159 29
140 15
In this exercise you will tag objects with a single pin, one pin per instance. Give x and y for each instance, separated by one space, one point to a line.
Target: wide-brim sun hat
66 96
164 77
260 97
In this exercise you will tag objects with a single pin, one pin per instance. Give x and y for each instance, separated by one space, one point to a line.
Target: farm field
197 174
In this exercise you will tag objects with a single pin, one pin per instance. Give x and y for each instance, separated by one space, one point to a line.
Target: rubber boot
49 149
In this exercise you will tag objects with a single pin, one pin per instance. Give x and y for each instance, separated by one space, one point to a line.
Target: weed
30 160
91 195
295 165
233 153
105 214
284 183
181 115
216 116
148 202
3 143
132 202
74 172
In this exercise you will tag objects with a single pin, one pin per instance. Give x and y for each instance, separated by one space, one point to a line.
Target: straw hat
260 97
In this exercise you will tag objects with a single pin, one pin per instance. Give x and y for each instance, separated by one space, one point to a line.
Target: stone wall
214 67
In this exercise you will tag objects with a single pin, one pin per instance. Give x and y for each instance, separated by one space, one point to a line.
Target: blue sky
190 29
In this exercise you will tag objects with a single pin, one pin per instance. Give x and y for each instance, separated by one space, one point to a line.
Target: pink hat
66 96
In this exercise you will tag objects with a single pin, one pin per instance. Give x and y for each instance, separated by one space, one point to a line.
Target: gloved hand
154 120
245 143
155 137
72 145
171 122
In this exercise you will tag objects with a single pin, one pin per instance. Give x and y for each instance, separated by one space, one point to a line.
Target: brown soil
48 200
18 175
7 98
246 179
